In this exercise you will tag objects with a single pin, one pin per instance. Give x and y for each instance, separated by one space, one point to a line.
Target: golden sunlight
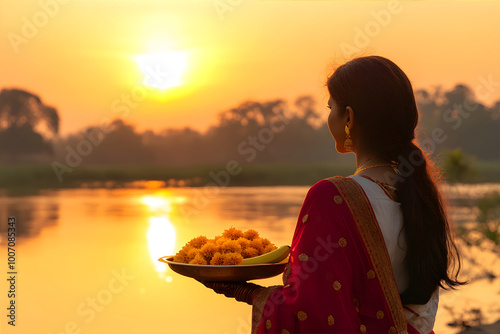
161 233
156 203
161 201
163 70
161 241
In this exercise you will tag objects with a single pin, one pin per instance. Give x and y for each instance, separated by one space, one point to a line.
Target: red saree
339 277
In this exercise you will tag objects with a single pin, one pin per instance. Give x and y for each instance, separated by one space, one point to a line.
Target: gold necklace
361 164
382 164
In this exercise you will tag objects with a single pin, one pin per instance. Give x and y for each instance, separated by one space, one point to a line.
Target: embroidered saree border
259 302
368 228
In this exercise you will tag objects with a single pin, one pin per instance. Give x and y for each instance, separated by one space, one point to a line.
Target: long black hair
384 106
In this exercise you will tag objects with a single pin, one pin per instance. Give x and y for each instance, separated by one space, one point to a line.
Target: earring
348 141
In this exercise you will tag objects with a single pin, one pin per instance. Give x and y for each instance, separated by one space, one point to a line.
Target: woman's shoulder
328 185
331 182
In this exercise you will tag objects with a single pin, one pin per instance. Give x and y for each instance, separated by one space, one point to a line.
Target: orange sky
80 56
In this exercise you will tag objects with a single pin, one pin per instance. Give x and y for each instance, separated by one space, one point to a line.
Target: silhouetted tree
466 123
275 132
24 120
306 109
120 146
176 147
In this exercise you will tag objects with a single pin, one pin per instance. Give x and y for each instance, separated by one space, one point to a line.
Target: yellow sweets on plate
230 248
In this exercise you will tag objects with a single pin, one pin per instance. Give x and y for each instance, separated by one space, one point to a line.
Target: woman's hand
225 288
241 291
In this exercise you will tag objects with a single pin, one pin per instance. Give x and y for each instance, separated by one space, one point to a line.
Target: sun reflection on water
161 231
157 203
161 240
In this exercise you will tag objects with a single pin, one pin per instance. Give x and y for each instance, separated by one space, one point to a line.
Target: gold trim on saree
374 243
259 302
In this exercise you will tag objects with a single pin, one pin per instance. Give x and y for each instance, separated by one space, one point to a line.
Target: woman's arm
241 291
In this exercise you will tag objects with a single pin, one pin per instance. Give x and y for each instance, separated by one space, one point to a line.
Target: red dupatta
339 277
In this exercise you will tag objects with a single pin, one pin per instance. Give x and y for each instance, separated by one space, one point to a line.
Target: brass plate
226 273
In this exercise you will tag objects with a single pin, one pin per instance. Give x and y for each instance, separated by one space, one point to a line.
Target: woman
369 251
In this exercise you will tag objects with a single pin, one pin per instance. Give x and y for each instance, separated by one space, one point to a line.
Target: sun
163 70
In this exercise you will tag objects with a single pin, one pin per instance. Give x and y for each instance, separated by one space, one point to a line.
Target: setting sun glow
163 70
198 61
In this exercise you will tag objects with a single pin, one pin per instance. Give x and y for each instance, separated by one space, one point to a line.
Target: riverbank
45 177
483 329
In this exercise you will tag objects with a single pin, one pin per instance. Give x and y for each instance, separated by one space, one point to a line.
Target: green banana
274 256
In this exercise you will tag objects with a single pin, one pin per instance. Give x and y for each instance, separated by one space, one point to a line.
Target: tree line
273 131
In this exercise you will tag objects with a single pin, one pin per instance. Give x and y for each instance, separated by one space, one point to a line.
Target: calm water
87 258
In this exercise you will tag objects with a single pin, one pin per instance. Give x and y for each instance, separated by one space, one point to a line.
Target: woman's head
374 97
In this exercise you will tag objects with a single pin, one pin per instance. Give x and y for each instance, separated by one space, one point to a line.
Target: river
86 259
